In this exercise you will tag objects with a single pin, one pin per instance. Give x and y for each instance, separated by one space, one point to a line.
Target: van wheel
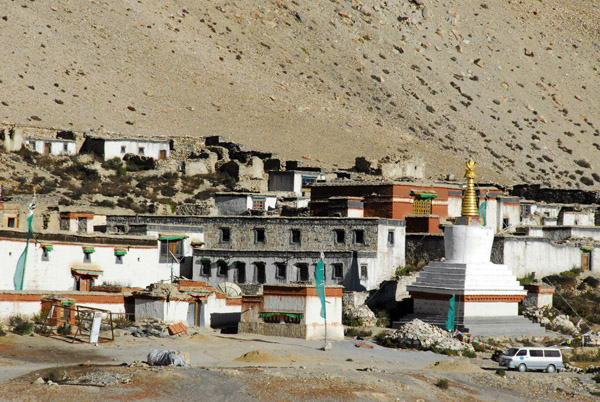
522 368
551 369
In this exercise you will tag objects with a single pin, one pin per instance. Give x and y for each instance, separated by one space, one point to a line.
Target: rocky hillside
513 84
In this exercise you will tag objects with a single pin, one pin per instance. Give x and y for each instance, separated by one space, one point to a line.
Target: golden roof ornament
469 202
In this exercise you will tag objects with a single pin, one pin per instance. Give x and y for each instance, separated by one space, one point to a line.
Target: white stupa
486 294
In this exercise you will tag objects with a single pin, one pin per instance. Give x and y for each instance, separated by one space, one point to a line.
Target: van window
551 353
511 351
522 352
536 353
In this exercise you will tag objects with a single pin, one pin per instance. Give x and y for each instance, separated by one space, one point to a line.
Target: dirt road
246 367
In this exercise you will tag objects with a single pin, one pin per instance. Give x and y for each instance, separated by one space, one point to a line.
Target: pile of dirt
258 356
454 365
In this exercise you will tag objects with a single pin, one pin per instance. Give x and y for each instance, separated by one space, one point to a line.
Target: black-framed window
281 270
222 268
302 272
359 236
337 271
390 238
295 236
225 235
240 272
364 271
205 268
45 255
118 259
261 274
339 236
259 235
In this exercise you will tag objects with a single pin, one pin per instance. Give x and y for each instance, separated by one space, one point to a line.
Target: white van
532 358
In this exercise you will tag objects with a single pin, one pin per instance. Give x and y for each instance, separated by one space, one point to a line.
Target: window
422 206
261 276
359 236
505 223
339 236
364 272
280 271
258 203
551 353
65 148
522 352
162 154
82 225
259 235
64 224
302 272
87 258
338 271
45 255
205 268
170 249
141 151
123 149
222 268
11 223
295 236
225 235
536 353
118 259
48 148
307 181
391 237
240 272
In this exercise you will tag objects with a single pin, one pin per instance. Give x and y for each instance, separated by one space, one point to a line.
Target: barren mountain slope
513 84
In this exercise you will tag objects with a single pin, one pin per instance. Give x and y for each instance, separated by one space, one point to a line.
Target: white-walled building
233 203
294 181
117 148
52 146
77 262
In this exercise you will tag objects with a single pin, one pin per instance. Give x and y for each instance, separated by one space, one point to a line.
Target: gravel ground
277 369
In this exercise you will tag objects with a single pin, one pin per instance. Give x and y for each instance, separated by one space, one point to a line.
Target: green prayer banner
481 211
19 276
450 322
320 284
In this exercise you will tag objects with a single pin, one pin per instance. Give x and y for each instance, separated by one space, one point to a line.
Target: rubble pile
149 327
551 319
363 314
417 334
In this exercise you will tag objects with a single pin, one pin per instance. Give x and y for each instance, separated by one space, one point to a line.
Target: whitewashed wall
112 149
389 257
56 147
172 311
315 324
211 305
585 218
139 269
524 256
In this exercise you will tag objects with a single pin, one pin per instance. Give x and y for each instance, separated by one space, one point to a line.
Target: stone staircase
482 326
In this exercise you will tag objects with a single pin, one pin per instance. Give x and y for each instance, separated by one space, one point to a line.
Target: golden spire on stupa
469 201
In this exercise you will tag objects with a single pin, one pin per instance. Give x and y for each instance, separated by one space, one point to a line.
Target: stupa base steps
481 326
